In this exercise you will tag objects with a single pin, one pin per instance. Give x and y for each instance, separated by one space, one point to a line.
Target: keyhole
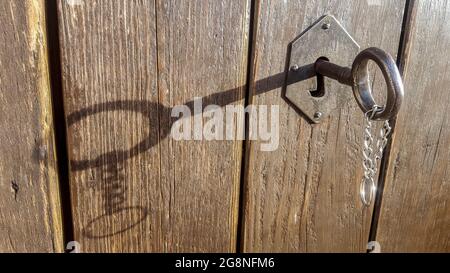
320 91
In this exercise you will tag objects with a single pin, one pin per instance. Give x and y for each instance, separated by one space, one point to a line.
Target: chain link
371 157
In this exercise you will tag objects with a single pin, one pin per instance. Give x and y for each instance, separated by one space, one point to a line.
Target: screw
295 67
326 26
317 115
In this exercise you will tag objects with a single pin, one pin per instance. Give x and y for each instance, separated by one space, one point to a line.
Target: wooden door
414 210
89 94
303 197
125 64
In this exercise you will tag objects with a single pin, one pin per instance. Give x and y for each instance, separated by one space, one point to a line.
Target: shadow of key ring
362 87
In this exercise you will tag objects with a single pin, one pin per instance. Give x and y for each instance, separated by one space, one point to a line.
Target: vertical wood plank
109 78
415 213
202 52
30 213
304 197
125 65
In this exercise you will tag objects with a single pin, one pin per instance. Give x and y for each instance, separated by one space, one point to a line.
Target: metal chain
371 157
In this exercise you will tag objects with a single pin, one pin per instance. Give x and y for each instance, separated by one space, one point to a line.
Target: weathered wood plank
125 65
415 212
202 52
304 197
30 213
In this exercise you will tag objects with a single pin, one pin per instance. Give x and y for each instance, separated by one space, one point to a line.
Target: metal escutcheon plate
325 38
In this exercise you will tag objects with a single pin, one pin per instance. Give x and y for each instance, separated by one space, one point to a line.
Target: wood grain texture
202 52
30 214
415 211
125 65
304 197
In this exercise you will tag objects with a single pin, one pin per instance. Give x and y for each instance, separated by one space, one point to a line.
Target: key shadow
153 110
111 164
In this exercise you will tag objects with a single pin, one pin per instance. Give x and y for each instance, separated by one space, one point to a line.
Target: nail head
326 26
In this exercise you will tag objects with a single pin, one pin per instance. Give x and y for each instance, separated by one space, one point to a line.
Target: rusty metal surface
362 85
359 79
326 38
